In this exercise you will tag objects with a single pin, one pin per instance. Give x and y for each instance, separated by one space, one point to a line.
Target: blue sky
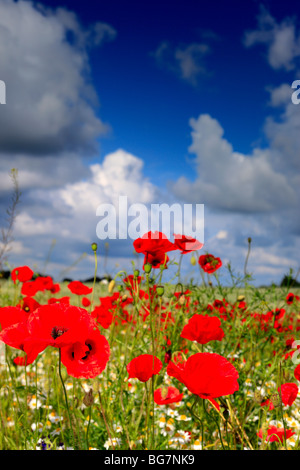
195 96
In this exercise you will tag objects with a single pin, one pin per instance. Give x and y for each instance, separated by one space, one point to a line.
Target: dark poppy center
57 331
86 355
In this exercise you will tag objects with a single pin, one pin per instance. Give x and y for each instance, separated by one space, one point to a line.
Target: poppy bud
147 268
88 398
136 273
193 261
160 290
276 400
94 246
111 286
249 240
257 396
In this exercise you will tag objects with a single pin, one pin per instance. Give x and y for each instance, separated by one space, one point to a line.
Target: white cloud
49 98
282 40
231 180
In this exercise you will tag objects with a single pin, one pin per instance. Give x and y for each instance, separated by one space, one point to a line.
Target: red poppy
207 375
289 392
88 358
62 300
59 325
85 302
186 244
76 287
28 304
143 367
30 288
167 395
17 336
297 372
152 242
11 316
209 263
22 274
275 434
103 316
156 259
203 328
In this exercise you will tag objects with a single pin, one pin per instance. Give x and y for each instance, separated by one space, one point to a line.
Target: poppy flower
11 316
275 434
59 325
22 274
152 242
28 304
207 375
203 328
87 358
167 395
143 367
17 336
103 316
85 302
209 263
78 288
186 244
156 259
289 392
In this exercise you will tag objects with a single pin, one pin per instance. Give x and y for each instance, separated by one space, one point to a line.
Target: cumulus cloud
44 64
282 40
230 180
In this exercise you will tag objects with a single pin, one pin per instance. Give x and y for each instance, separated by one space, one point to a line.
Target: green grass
123 415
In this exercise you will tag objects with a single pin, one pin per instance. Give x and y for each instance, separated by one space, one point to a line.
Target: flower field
138 363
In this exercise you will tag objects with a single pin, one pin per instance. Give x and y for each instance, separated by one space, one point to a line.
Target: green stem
66 398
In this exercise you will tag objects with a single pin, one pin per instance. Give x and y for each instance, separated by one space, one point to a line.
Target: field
189 367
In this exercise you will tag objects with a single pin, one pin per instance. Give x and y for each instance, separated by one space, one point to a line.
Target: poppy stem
66 398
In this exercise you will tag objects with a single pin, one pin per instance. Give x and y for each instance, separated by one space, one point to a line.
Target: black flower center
57 331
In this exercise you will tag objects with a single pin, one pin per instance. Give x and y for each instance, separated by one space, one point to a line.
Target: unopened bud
160 290
193 261
276 400
136 273
257 396
88 398
94 246
111 286
147 268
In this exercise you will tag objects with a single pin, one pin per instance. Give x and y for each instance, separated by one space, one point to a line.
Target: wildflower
22 274
143 367
78 288
186 244
88 357
207 375
203 328
167 395
209 263
114 442
275 434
